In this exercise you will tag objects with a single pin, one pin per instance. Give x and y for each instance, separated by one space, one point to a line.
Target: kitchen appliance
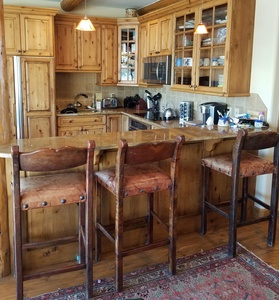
209 109
186 111
110 102
157 69
137 125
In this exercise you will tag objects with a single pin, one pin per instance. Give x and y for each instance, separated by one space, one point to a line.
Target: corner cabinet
76 50
127 51
219 62
29 31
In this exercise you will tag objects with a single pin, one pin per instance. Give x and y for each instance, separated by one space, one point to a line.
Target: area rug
205 275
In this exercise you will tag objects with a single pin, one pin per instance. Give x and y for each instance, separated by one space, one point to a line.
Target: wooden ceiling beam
69 5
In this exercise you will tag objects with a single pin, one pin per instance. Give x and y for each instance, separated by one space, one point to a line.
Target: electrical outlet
112 95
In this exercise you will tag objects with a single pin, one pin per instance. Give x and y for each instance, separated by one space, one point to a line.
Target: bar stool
68 186
240 166
137 172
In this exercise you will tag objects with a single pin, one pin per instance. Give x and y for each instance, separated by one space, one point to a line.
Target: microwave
157 69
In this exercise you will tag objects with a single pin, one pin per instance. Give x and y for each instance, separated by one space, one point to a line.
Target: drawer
81 120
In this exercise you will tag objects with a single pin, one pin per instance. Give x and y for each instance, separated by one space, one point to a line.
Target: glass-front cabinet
199 60
127 53
218 62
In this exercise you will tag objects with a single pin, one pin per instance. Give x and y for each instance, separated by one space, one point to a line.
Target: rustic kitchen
144 75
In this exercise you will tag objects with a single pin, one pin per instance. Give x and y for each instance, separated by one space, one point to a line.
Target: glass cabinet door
184 50
211 52
128 55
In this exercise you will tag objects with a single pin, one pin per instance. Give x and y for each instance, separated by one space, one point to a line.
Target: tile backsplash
68 85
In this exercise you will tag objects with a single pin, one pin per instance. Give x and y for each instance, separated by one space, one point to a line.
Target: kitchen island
200 142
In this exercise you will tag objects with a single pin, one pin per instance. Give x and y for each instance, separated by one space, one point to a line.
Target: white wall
265 71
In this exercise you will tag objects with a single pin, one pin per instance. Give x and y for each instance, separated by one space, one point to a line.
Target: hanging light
85 24
201 29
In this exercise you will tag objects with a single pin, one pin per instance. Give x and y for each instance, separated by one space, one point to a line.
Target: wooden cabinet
127 51
109 55
77 125
29 31
125 123
38 101
160 36
212 63
76 50
114 123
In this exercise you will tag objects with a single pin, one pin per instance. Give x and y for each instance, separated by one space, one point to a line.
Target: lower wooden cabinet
114 123
77 125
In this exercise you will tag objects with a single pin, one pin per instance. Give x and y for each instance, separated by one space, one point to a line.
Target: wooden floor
252 237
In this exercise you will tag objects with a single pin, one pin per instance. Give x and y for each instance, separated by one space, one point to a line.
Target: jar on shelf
214 61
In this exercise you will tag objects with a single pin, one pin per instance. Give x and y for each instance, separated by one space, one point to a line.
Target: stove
149 115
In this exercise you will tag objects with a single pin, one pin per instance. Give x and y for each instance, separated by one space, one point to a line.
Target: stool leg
244 199
97 216
150 225
81 225
18 253
233 216
172 230
273 211
89 248
119 244
205 180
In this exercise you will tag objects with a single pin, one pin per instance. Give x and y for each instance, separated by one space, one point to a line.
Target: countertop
110 140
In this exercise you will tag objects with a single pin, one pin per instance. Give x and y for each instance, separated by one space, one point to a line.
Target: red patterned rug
206 275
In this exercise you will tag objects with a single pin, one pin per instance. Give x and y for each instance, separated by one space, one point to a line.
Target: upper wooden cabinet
76 50
160 36
218 62
29 31
109 55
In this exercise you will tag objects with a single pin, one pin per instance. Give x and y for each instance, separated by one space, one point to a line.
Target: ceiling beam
69 5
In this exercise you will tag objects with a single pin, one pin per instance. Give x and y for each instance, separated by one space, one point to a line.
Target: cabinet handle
157 52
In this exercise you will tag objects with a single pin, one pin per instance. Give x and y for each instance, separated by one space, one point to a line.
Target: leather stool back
137 172
48 190
241 165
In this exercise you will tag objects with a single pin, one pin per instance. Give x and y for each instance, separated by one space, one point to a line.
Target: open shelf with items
211 63
128 53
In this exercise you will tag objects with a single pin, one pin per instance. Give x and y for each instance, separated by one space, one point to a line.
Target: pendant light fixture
201 29
85 24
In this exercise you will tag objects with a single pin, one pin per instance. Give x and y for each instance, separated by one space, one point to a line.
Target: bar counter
200 142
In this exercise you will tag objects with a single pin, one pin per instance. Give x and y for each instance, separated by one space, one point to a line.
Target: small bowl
222 56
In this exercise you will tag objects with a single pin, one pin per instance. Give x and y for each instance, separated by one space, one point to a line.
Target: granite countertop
110 140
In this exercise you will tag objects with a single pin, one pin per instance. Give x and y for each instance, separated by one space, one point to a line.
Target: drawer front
81 120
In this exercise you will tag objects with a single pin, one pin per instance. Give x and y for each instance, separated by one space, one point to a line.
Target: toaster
110 102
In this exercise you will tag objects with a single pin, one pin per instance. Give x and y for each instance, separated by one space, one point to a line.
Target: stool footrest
248 222
59 241
54 271
220 211
138 249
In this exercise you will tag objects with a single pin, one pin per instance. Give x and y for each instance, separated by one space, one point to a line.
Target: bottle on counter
93 105
98 104
261 116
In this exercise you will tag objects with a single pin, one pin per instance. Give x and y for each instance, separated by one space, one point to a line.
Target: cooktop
149 115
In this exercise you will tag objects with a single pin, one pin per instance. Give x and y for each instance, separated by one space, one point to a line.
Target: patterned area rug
206 275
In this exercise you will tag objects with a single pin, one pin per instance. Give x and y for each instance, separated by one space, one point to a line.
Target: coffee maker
209 109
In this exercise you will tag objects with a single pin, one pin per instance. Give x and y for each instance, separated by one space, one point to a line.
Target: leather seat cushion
138 179
251 165
52 189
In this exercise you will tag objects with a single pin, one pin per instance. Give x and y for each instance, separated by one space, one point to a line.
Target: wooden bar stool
68 186
137 172
241 165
